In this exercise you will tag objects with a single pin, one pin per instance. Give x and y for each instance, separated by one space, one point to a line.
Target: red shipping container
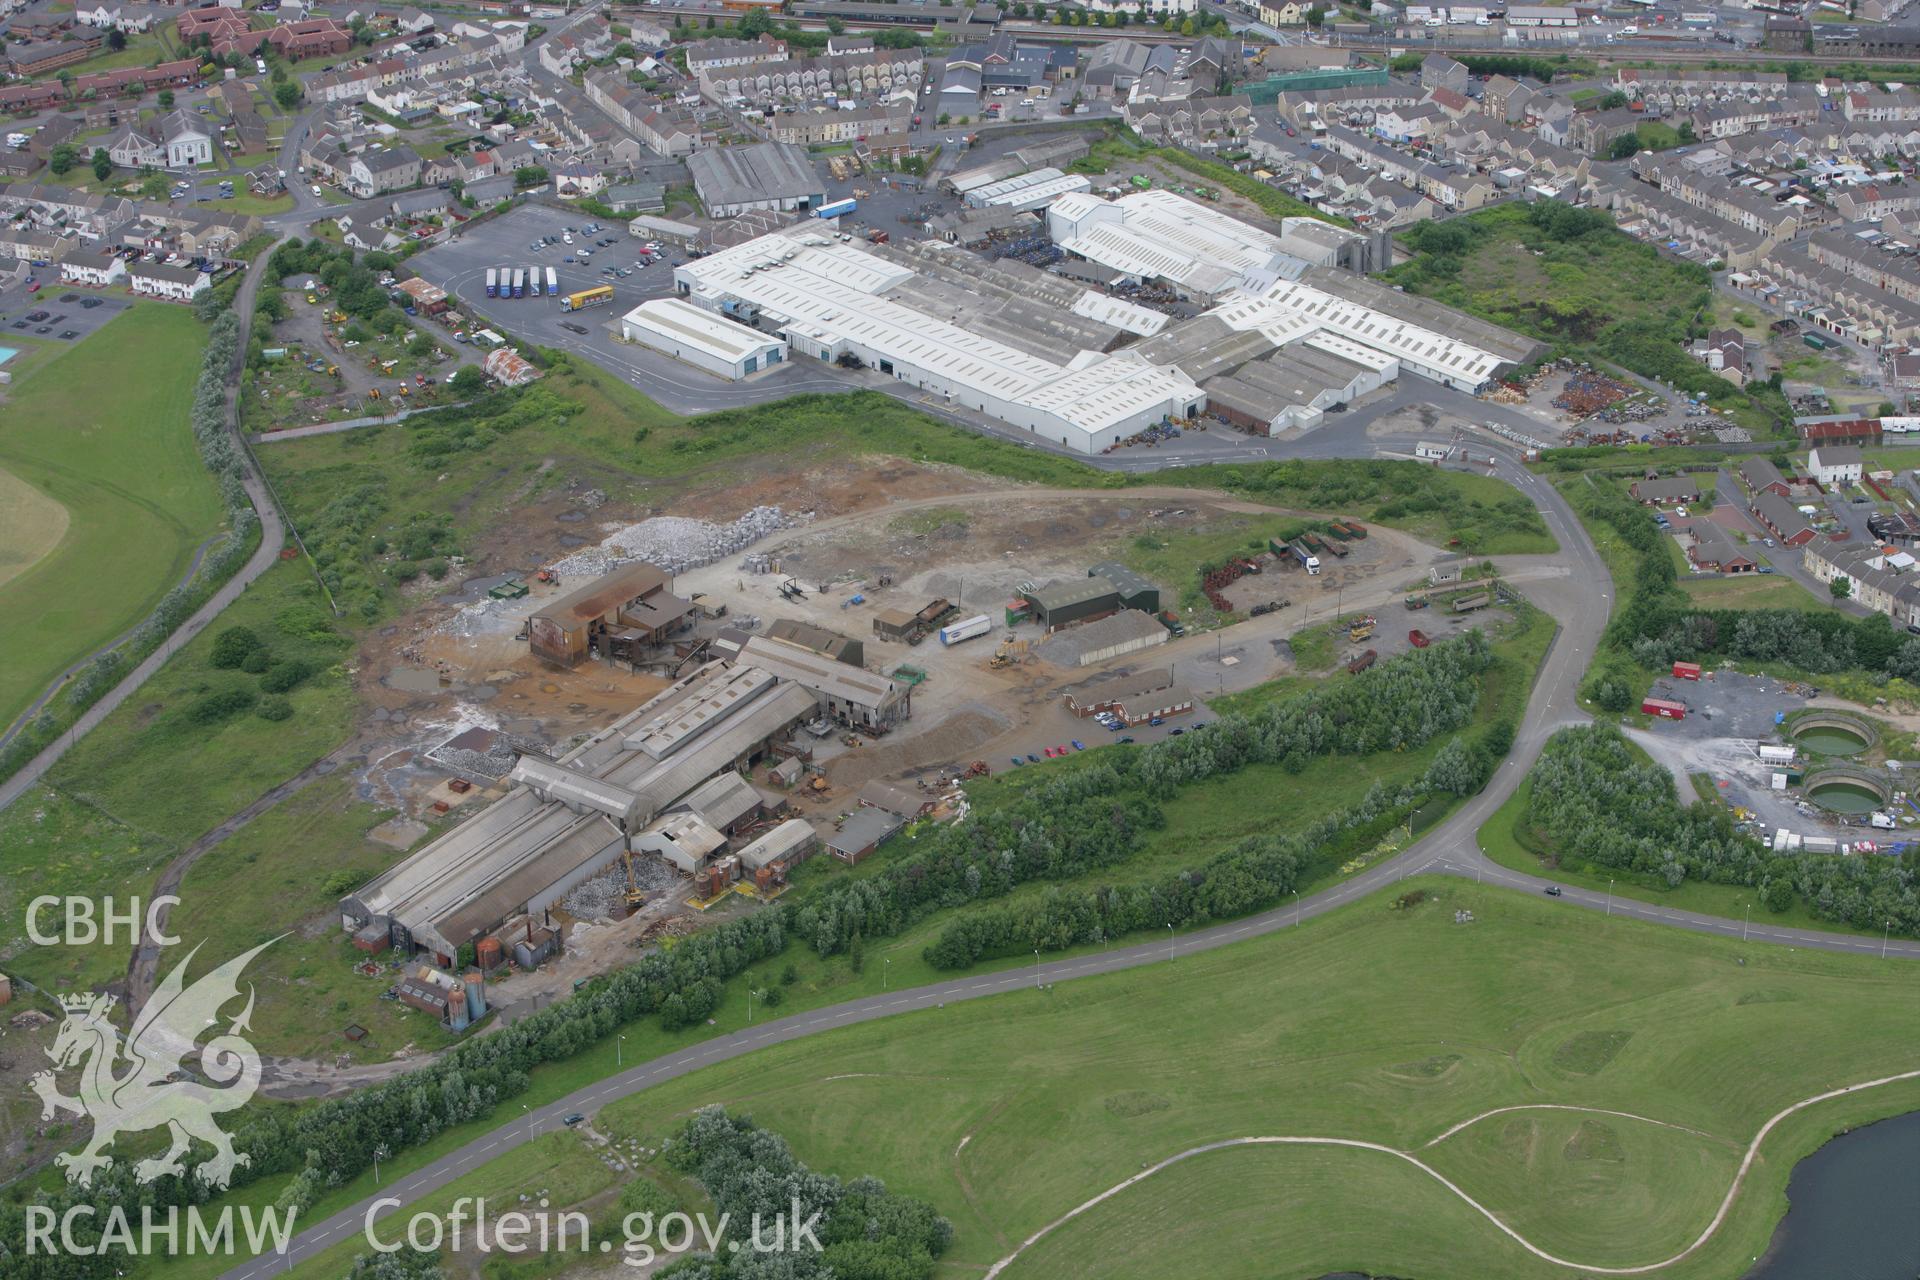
1664 709
1687 670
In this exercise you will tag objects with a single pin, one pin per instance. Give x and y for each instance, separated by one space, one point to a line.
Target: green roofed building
1135 591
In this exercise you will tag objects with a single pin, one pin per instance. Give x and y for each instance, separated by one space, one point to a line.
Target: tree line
1257 873
1598 801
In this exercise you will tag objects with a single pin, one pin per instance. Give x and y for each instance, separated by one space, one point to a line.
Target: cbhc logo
82 929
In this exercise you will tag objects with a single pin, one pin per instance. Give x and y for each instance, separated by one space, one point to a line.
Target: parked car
1553 891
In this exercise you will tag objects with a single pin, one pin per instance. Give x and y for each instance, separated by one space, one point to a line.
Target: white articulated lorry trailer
978 625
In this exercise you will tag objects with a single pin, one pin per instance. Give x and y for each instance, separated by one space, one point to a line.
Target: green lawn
248 202
1376 1024
1752 591
102 429
116 812
126 765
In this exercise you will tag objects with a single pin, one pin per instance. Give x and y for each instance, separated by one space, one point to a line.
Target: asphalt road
1580 602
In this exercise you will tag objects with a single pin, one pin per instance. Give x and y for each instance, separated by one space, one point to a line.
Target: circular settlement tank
1849 789
1832 735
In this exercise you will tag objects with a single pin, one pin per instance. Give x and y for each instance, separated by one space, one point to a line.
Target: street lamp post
886 972
1883 939
1745 920
619 1052
1609 897
1169 939
1296 908
379 1154
1036 967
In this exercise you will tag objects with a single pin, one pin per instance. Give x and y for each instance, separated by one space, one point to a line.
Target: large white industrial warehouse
832 300
701 338
1268 331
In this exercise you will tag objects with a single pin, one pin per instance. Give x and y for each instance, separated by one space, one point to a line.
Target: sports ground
103 498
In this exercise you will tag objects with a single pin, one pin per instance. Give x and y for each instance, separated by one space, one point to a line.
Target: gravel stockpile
675 543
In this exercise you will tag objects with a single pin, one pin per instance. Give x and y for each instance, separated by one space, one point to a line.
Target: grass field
102 430
116 812
1382 1025
1752 591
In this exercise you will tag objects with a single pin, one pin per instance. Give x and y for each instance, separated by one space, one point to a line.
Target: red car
34 287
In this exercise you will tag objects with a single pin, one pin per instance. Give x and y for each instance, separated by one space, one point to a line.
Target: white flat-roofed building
831 300
1430 354
1120 313
1038 195
702 339
1156 235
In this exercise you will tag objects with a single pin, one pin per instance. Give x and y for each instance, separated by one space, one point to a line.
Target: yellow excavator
636 896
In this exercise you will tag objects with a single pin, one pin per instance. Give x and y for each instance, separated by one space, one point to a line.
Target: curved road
1451 848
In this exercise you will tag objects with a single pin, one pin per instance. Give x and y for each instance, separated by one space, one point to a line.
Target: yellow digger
636 896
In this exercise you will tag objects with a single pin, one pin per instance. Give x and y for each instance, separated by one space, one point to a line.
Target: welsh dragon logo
140 1083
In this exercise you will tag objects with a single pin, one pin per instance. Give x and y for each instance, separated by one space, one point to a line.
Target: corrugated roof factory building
565 821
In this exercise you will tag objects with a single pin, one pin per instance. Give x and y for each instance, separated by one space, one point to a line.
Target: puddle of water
413 680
